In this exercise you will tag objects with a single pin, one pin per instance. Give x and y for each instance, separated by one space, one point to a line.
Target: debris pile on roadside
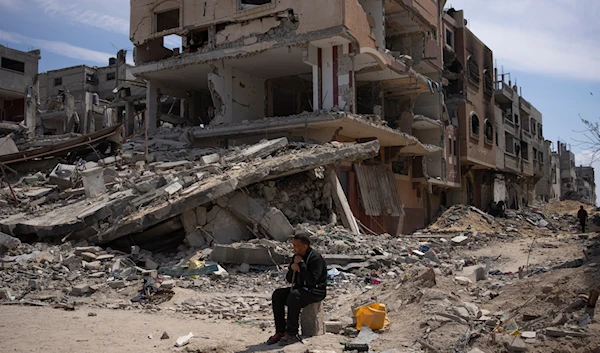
203 197
204 232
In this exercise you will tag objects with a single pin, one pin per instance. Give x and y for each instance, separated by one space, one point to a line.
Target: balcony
538 168
511 163
503 93
526 167
524 105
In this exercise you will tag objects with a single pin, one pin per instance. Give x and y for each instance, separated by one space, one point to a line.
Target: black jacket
313 274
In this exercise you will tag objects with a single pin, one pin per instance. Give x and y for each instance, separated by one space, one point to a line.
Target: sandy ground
510 255
33 329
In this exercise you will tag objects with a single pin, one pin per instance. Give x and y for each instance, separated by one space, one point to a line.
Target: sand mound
461 218
566 207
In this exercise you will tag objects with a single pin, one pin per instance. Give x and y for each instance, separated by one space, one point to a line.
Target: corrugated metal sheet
378 191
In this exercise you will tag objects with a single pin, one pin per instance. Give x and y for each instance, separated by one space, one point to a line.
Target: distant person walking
582 215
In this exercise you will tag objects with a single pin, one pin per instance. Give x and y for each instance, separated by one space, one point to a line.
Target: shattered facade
84 99
586 183
310 71
19 86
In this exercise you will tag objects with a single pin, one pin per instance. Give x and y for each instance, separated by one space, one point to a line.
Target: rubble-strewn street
467 286
297 176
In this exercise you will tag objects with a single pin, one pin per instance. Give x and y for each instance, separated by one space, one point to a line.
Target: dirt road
33 329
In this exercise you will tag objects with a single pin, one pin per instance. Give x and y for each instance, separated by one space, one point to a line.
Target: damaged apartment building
18 87
85 99
312 71
500 133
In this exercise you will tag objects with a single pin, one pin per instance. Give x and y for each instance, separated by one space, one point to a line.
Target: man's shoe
289 339
275 338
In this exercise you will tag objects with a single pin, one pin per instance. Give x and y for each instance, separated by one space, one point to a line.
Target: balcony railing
525 105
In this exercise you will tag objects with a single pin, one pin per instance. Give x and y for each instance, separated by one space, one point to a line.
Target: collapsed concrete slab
122 213
259 150
246 253
272 221
221 185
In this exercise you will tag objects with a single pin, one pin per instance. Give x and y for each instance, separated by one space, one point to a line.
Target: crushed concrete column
152 105
87 121
129 113
341 203
221 91
31 109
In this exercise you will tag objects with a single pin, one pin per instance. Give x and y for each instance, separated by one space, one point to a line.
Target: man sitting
308 275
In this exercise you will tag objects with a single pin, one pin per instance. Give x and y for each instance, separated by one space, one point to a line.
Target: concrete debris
135 200
139 230
8 243
184 340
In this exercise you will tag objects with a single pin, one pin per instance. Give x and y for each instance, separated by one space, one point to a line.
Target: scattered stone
151 264
184 340
529 334
92 314
475 273
92 266
35 284
463 281
173 188
169 284
516 344
462 312
88 256
211 158
5 294
334 327
81 289
244 268
431 255
459 239
560 319
117 284
8 243
105 257
165 336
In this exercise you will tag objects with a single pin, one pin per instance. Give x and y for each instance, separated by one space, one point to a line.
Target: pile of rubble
461 218
205 197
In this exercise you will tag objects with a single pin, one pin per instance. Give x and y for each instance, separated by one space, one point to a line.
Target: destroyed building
547 187
396 101
586 183
18 86
574 183
340 71
568 175
85 99
520 133
501 146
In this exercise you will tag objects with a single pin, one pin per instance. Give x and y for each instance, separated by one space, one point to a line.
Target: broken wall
236 96
413 203
376 9
17 80
429 105
71 79
309 16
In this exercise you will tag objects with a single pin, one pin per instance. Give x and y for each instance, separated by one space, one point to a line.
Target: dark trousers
295 300
582 222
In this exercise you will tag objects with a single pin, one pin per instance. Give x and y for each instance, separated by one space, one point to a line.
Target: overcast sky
550 47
